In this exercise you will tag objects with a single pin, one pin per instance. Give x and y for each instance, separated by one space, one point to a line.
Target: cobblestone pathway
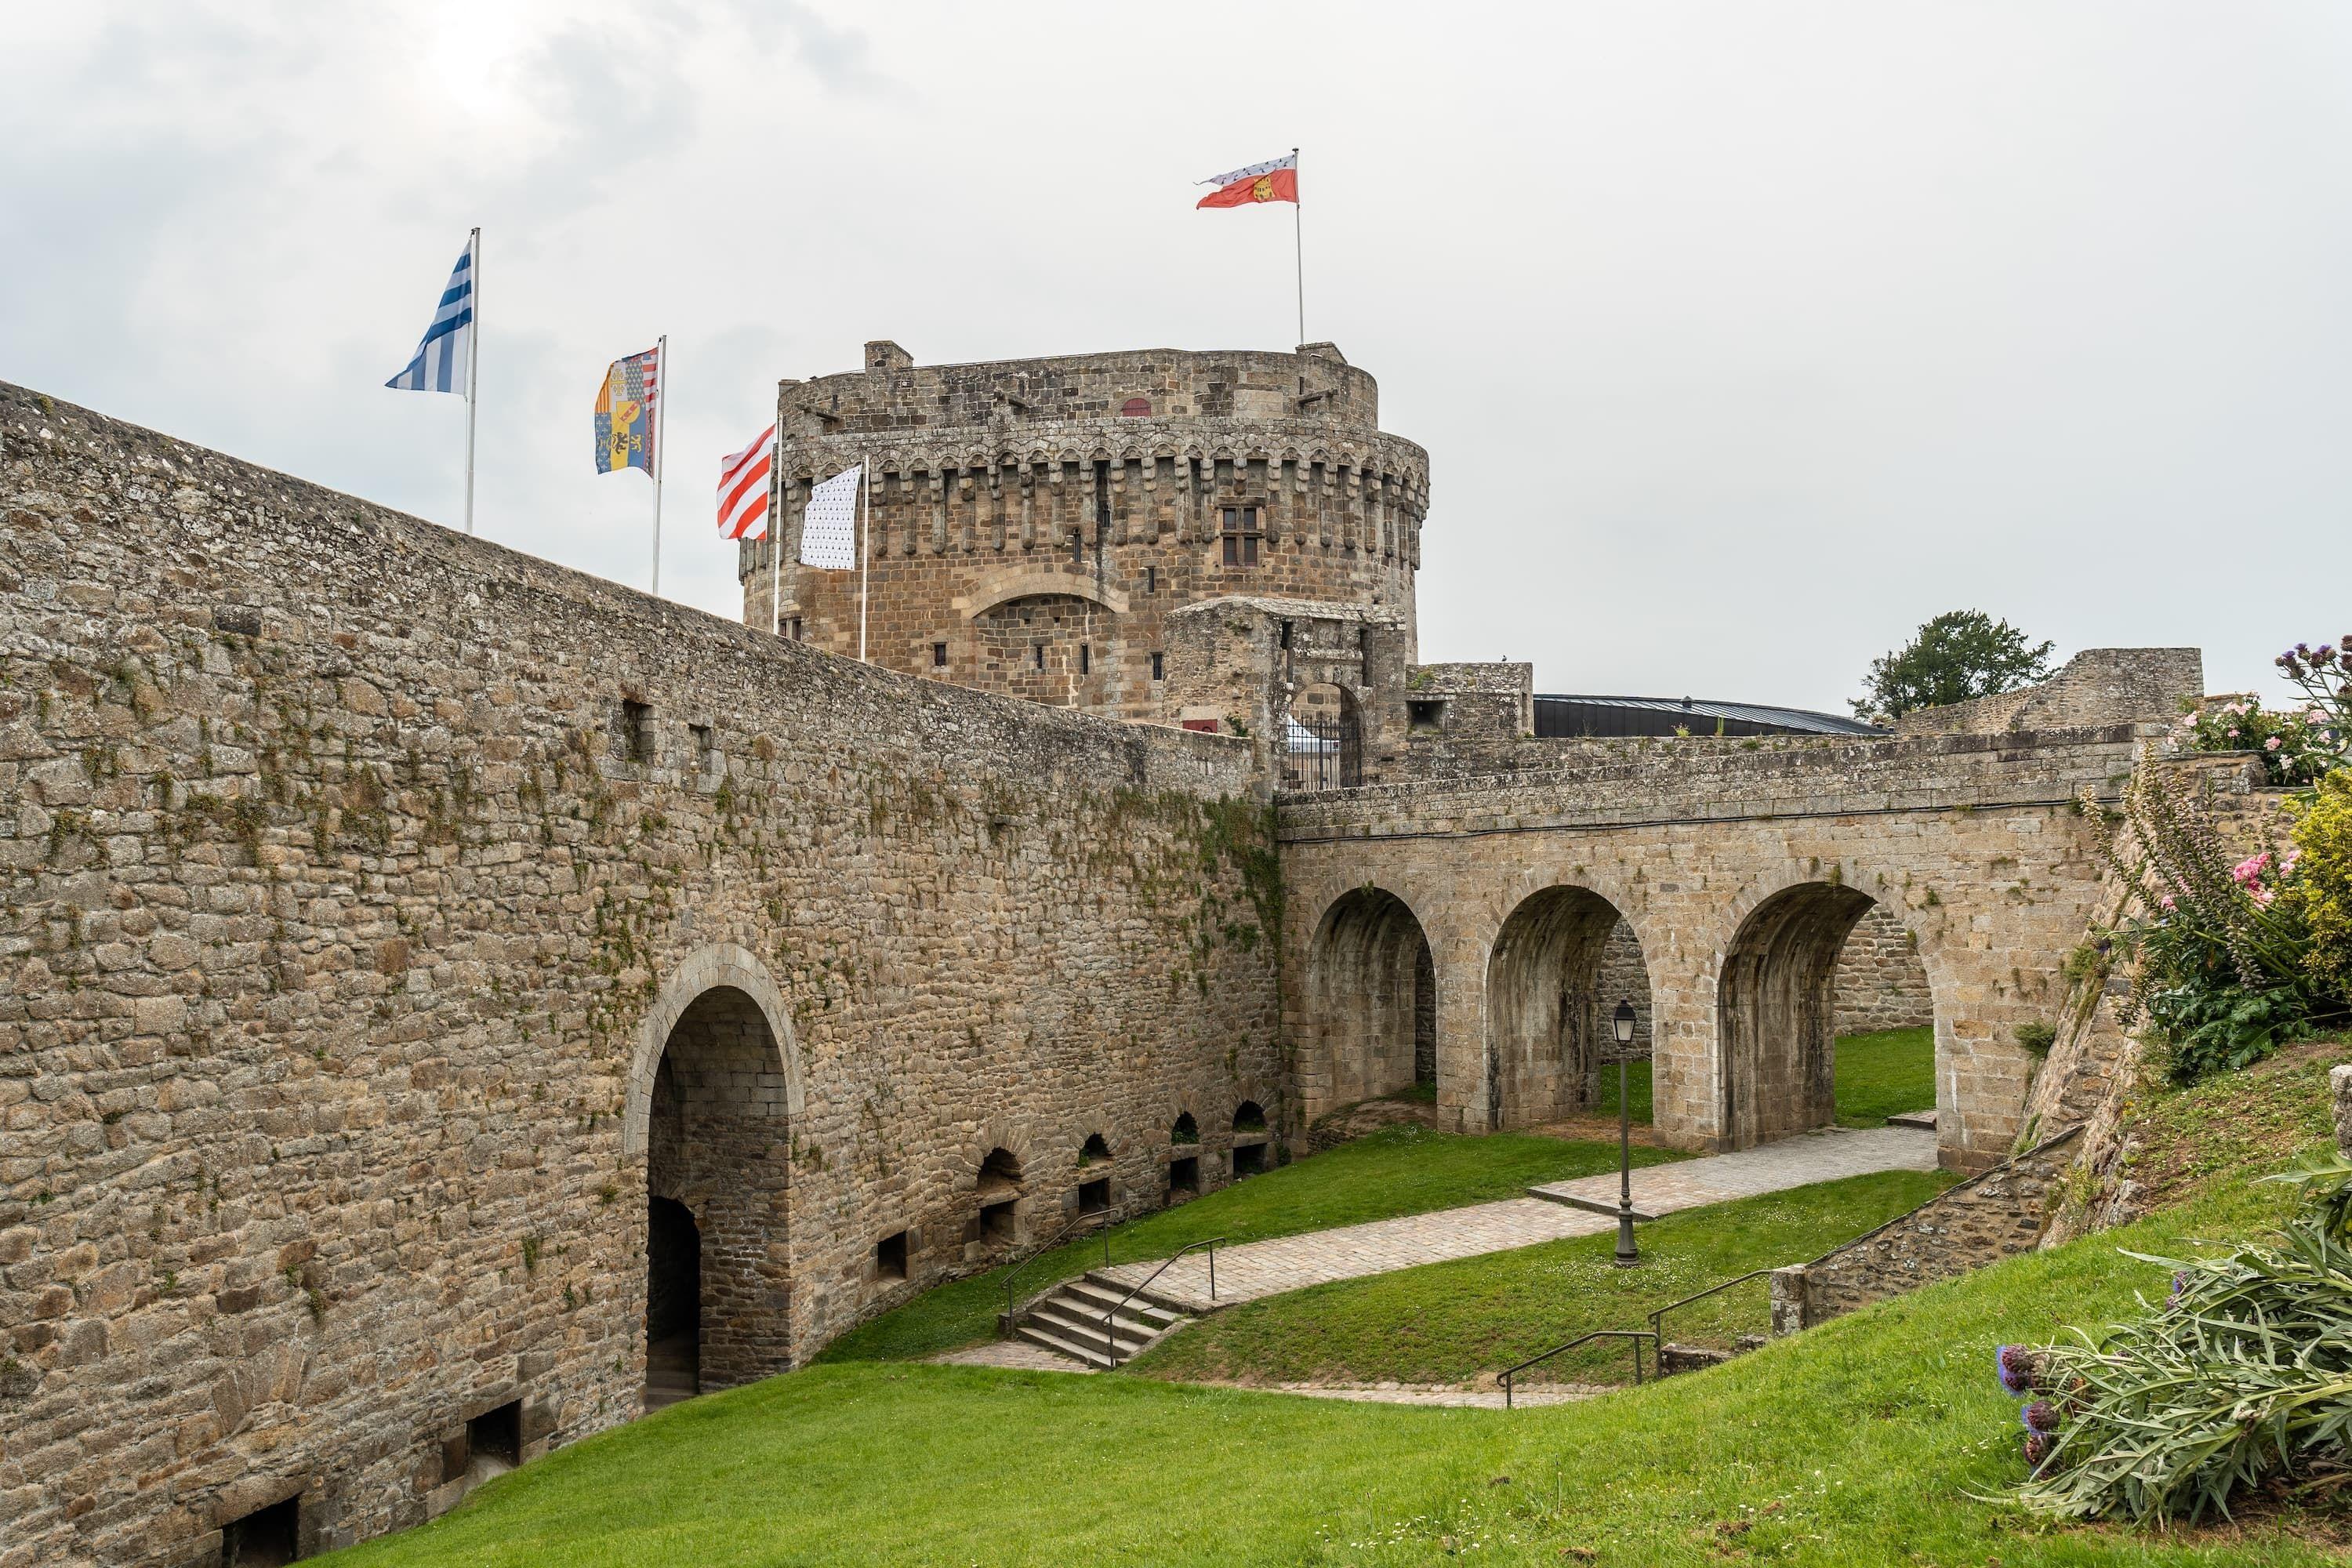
1257 1268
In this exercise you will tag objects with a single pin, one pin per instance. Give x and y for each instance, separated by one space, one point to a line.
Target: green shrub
2323 843
2036 1036
2292 749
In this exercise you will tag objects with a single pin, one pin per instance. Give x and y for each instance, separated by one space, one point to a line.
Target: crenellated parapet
1147 479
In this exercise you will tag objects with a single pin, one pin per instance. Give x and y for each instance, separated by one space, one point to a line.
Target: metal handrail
1110 1341
1014 1273
1658 1332
1636 1335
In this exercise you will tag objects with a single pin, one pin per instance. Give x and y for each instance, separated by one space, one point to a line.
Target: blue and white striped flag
441 359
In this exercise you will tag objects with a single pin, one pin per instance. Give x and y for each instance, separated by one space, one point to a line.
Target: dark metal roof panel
1802 719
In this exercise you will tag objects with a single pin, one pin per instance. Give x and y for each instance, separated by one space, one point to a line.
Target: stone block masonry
1036 522
1996 1214
387 920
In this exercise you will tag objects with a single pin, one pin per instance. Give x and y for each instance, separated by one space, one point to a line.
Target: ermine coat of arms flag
1276 181
829 522
624 412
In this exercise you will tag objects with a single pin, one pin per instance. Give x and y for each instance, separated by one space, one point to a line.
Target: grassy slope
1397 1171
1878 1076
1856 1444
1450 1322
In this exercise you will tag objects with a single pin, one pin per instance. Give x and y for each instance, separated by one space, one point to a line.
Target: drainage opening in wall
1184 1174
264 1538
494 1442
996 1222
890 1257
1250 1137
1094 1197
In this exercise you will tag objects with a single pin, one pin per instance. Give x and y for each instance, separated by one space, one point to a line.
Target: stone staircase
1068 1320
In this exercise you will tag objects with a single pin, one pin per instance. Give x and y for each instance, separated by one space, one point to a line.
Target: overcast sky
1743 337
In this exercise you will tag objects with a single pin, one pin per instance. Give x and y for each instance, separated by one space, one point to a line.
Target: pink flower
2262 896
2288 860
2168 905
2316 716
2233 734
2272 744
2248 871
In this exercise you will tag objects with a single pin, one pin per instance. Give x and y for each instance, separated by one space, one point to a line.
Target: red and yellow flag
1274 182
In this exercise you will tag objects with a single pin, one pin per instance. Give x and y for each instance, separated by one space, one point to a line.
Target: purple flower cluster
2022 1371
2302 658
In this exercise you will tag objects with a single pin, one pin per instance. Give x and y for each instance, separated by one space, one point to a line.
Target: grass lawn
1854 1445
1396 1171
1448 1323
1878 1076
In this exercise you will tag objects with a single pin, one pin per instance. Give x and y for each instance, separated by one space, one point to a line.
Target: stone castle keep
435 980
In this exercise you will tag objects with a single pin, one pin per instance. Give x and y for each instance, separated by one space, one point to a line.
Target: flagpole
473 368
661 443
776 532
1298 246
866 551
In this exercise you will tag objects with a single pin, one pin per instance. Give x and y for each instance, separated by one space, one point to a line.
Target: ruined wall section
1034 521
2097 686
346 864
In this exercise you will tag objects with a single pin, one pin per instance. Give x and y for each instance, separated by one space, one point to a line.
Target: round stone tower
1034 521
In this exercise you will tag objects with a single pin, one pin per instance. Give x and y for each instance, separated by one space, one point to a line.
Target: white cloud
1744 338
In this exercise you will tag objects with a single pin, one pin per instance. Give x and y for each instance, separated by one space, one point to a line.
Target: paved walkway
1257 1268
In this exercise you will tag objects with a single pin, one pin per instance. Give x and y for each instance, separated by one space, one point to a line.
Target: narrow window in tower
939 656
1077 548
1151 579
1085 658
1159 666
1241 535
1039 655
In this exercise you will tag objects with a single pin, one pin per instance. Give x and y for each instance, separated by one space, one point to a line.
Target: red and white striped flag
743 489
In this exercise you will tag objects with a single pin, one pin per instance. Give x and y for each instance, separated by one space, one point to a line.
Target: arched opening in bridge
1250 1136
1372 985
1548 1024
718 1171
1323 739
1824 1015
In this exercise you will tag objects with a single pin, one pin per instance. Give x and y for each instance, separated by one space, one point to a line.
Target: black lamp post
1627 1253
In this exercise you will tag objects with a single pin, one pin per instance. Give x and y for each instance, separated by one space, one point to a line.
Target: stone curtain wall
1974 843
351 872
1032 503
1994 1216
1880 983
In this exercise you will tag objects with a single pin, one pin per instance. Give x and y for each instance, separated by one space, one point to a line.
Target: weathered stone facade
1036 521
389 917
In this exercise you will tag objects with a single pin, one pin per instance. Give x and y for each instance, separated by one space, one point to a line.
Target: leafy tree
1958 655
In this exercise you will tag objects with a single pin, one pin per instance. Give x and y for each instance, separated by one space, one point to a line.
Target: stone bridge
1740 867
